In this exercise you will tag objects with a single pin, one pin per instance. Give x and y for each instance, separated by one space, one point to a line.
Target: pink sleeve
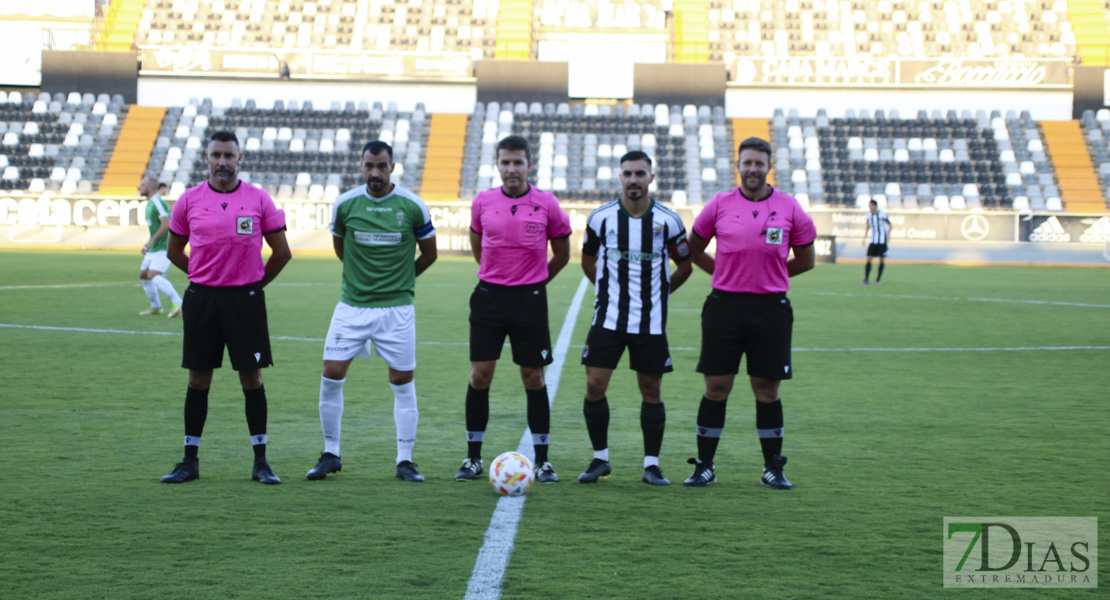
805 232
476 215
705 225
179 222
273 219
558 222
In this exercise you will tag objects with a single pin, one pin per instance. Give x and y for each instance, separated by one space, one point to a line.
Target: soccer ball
512 474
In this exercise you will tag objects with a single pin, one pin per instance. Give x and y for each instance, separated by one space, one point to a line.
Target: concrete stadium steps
132 152
1078 183
120 25
514 30
1092 31
746 128
443 165
691 32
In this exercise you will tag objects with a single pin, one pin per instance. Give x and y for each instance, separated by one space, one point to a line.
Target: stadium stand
57 143
120 23
577 148
940 161
889 28
374 25
1095 127
292 149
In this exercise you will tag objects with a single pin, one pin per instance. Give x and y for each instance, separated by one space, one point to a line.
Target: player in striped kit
878 231
629 244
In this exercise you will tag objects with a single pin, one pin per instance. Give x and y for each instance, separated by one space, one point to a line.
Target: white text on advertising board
1003 73
814 70
57 211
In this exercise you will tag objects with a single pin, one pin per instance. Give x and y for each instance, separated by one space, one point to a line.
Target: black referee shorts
235 317
759 325
647 353
519 312
876 250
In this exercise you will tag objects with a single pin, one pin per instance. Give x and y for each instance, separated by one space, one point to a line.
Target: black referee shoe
772 475
654 476
186 470
328 463
702 476
262 473
598 468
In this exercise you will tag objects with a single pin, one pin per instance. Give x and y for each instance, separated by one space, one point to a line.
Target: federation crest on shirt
774 235
244 225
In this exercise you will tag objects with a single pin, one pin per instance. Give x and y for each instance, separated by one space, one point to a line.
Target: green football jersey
379 245
155 210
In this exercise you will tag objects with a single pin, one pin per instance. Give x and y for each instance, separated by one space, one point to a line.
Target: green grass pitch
942 393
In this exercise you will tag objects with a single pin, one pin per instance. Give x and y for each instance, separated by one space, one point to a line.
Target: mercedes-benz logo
975 228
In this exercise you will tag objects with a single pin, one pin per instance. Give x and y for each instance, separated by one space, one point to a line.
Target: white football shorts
155 261
390 330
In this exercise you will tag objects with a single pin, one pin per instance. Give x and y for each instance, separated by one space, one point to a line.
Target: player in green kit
376 231
155 262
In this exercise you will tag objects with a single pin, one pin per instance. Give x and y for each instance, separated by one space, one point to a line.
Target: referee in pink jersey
510 229
224 221
747 313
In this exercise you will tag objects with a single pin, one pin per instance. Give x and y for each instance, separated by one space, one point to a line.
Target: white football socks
166 288
405 416
331 412
151 292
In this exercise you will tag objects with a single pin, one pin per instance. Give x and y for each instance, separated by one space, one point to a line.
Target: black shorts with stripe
735 324
647 353
876 250
235 317
519 312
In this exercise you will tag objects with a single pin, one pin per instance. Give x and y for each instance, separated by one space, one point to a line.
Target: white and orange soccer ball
512 474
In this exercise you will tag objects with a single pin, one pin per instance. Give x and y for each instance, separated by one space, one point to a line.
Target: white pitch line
493 558
554 375
959 299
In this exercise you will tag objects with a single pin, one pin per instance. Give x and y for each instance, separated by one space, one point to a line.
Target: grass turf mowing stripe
497 547
686 348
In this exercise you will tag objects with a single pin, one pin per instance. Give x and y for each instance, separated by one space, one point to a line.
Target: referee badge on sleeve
774 235
244 225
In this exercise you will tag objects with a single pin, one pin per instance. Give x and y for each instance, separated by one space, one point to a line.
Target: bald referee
225 220
747 313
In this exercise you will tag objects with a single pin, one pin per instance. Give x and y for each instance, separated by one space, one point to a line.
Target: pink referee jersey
225 232
514 234
754 239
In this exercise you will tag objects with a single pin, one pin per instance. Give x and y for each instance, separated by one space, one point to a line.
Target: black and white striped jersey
879 224
633 279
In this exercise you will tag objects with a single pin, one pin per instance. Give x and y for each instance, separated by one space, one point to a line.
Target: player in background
155 262
878 232
629 244
224 221
510 229
747 312
376 229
